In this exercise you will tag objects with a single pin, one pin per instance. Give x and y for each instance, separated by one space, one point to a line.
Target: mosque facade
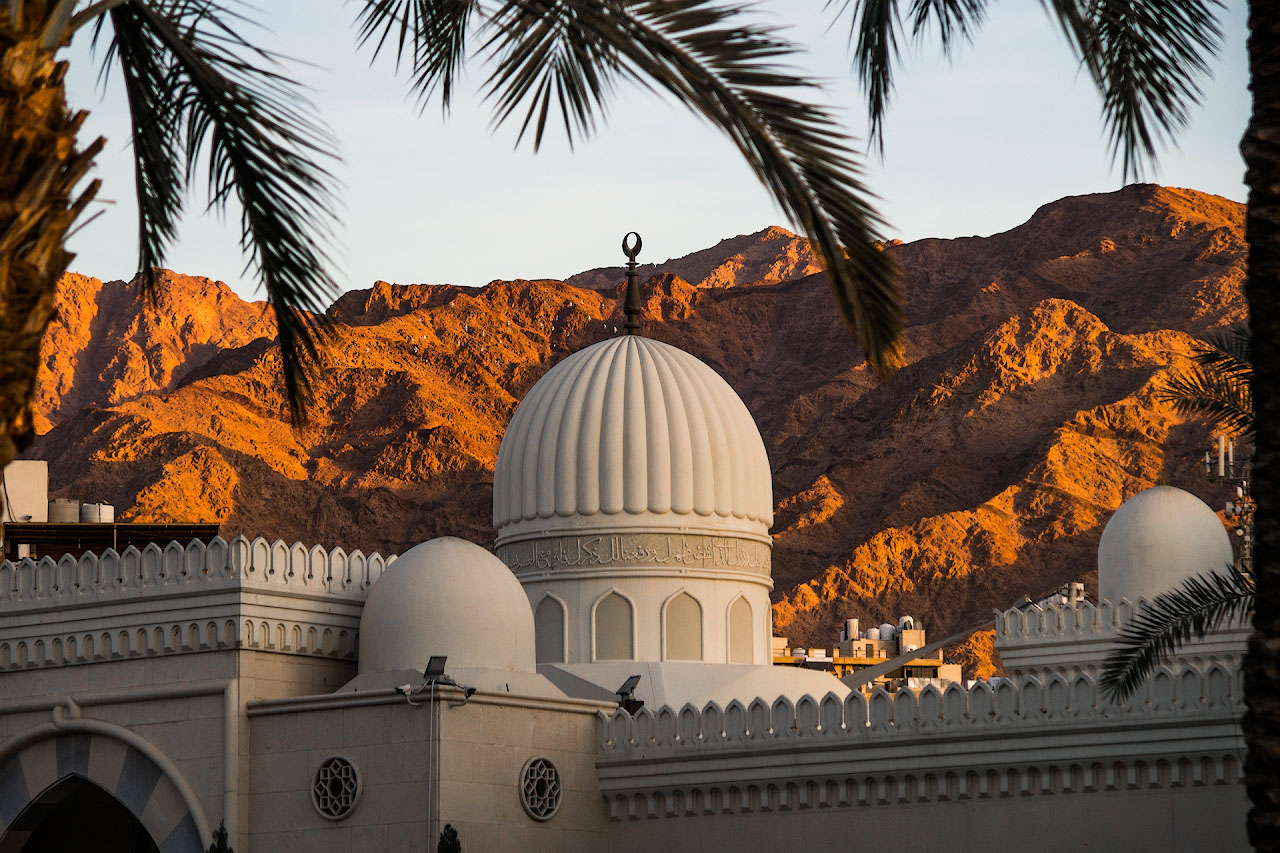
322 700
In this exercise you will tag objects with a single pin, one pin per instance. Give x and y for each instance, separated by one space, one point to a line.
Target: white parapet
1071 639
985 741
181 598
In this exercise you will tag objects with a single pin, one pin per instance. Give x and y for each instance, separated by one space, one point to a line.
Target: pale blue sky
973 146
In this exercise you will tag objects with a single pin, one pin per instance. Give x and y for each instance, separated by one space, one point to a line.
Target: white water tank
887 631
97 513
64 511
873 634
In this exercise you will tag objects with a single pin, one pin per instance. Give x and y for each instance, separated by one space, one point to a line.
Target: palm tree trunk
1261 149
39 168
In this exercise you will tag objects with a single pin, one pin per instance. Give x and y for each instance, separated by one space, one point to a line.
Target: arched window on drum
614 628
548 626
682 628
741 645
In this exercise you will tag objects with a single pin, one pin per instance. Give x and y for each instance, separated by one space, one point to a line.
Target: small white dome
1157 539
887 631
872 634
446 597
631 433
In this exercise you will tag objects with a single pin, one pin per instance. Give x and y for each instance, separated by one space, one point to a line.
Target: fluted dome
446 597
1157 539
632 434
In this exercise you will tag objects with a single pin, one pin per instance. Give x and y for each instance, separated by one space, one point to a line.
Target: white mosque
313 700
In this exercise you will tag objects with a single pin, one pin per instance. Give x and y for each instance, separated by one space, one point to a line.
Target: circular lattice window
540 788
336 788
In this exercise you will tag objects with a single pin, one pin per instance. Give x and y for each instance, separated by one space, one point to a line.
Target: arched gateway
86 790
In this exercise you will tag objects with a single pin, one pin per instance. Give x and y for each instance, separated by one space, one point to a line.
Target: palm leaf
434 32
1219 389
1149 57
263 145
1229 353
1145 57
874 32
567 57
157 142
1201 604
953 19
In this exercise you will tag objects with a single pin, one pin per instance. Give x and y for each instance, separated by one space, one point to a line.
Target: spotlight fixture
435 668
626 695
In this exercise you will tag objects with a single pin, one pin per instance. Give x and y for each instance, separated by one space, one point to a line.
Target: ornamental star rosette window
540 789
336 788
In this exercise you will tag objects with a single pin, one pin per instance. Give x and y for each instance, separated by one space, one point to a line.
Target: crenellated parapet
989 740
178 568
182 598
1071 639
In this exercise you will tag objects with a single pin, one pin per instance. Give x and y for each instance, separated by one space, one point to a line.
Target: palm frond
159 176
874 32
434 32
566 57
953 19
1146 58
1220 388
1223 402
1229 353
1201 604
264 147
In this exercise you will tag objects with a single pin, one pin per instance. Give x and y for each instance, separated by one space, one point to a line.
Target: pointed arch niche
549 630
682 628
741 642
613 628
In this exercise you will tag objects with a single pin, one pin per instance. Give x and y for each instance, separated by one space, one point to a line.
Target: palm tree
205 101
1145 58
1219 388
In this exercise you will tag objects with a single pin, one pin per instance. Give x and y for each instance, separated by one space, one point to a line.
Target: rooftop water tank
97 513
873 633
64 511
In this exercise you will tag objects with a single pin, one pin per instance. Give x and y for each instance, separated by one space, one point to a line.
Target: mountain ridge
1023 416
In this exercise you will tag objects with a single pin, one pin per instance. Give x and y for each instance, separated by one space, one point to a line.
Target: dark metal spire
632 307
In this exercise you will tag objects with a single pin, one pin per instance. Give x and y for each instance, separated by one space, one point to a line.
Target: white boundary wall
900 764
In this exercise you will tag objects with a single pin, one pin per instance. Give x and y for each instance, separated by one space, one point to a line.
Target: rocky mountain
1023 417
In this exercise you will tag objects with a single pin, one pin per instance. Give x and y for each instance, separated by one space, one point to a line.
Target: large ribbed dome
632 433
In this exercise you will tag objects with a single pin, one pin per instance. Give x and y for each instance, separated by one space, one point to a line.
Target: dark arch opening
73 815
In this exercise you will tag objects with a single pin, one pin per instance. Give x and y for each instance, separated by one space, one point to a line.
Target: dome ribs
658 457
639 435
635 443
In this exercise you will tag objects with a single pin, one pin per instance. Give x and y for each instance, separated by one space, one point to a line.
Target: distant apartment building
859 649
